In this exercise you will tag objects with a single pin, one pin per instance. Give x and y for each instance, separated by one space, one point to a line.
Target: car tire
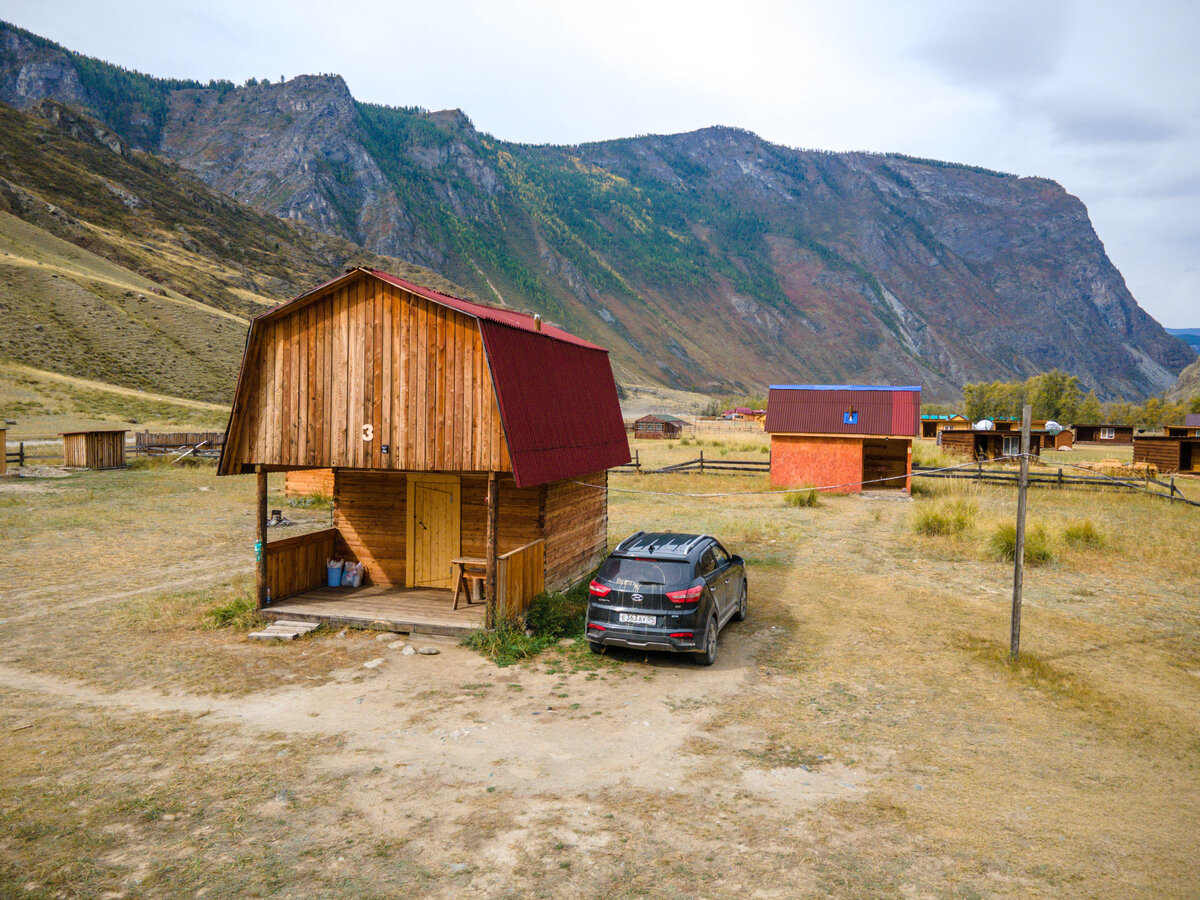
708 655
739 614
595 646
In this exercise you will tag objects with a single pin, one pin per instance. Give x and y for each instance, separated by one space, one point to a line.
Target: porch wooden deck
415 610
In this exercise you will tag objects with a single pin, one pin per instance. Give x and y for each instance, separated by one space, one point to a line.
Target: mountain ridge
711 261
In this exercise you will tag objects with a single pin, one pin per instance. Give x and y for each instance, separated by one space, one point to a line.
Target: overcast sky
1102 97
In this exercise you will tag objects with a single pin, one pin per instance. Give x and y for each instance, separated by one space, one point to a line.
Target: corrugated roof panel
837 409
558 401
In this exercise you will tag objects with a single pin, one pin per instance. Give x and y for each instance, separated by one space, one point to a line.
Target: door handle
422 524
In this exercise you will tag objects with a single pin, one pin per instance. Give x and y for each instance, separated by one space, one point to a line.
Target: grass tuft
551 616
1003 544
1083 533
803 498
945 517
238 613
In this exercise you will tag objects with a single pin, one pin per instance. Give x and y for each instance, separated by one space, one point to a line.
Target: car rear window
617 570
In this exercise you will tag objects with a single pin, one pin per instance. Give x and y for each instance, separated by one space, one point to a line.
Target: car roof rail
629 540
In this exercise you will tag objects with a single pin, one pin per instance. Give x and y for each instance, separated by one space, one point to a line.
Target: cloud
1095 119
1000 46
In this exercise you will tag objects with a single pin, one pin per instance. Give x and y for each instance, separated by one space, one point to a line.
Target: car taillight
596 589
597 627
682 634
691 595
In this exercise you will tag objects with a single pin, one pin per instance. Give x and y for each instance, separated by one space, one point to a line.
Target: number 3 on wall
368 432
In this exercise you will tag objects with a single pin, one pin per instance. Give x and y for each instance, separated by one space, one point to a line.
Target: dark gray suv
665 591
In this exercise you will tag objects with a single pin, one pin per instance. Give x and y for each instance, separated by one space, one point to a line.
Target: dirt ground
861 734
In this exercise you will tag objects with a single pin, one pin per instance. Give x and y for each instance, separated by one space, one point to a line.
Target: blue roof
842 387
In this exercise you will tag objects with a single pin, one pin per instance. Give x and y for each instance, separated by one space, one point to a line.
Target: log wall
370 517
331 381
576 528
520 519
306 482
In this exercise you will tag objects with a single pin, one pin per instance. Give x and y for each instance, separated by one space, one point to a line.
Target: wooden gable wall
367 353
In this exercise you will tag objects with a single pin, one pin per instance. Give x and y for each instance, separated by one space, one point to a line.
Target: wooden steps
284 630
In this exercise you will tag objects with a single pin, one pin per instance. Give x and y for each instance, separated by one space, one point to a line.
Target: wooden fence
1056 479
17 456
720 464
520 576
204 443
297 564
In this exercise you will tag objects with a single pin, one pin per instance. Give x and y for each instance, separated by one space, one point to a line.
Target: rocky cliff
712 261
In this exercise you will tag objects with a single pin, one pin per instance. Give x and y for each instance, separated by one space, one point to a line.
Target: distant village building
843 438
658 426
1103 434
933 425
467 444
979 444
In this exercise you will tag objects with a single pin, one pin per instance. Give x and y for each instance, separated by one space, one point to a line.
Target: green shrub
947 517
507 643
237 613
1082 533
1003 544
802 498
550 617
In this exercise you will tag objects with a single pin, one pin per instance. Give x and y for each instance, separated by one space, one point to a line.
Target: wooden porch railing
297 564
520 576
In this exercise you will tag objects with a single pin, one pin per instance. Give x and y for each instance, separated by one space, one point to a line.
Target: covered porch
407 610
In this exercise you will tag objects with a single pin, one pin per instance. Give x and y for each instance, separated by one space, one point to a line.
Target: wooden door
433 529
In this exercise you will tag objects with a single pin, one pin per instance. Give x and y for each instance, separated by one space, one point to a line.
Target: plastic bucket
333 575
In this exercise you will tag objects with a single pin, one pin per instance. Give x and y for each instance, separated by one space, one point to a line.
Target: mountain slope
118 267
710 261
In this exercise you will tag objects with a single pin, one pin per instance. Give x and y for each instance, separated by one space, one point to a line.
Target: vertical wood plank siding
306 482
520 577
370 354
297 564
369 515
94 449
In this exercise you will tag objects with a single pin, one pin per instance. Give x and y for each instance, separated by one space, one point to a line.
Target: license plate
634 619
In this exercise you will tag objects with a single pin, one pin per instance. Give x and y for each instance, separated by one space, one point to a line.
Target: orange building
843 438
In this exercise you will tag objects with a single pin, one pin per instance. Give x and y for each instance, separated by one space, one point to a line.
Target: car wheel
708 655
595 646
740 614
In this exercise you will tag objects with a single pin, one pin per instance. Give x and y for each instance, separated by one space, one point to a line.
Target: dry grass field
861 735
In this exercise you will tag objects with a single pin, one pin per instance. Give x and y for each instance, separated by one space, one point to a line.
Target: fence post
1019 550
1060 481
701 462
21 455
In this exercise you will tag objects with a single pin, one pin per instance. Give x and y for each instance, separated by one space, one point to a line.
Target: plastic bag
352 575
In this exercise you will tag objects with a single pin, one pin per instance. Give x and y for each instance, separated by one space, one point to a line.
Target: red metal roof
558 402
823 409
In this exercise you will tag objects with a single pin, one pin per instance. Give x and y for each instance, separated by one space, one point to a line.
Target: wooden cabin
933 425
843 438
659 426
984 445
1169 453
1103 434
467 443
94 449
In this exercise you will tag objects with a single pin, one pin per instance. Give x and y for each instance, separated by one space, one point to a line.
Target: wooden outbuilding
1169 453
466 443
659 426
933 425
94 449
981 445
843 438
1103 434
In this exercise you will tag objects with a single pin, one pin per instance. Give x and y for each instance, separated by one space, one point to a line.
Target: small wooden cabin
660 426
1169 453
94 449
1103 434
843 438
463 439
933 425
984 445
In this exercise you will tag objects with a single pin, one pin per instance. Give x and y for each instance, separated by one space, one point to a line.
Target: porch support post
260 564
493 502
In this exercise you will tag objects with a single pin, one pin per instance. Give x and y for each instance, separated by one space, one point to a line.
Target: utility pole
1014 648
